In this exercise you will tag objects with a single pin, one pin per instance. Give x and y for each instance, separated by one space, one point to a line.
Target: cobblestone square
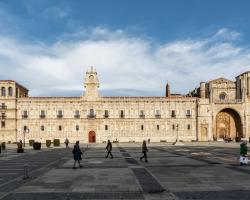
193 171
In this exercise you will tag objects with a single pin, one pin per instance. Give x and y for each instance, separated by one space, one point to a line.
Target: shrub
56 142
37 145
31 142
48 143
3 146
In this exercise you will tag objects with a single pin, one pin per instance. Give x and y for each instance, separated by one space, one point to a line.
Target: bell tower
91 85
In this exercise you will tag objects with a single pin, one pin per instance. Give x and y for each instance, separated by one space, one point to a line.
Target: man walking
109 149
77 154
66 142
144 151
243 153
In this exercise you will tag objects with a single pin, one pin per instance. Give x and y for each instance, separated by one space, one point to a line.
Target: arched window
10 91
3 92
222 96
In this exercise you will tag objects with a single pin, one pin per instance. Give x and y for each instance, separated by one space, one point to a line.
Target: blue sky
47 45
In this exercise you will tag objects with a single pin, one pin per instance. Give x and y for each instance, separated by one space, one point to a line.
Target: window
10 91
188 113
122 114
173 113
222 96
42 128
106 127
25 128
91 113
173 126
25 114
106 114
3 92
188 126
3 124
142 115
59 114
42 114
59 127
77 127
77 114
3 116
142 127
3 106
157 114
158 127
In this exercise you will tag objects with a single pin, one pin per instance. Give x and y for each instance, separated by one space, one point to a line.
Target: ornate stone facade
217 109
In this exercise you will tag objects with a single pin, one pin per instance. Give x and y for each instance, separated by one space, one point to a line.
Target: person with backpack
77 154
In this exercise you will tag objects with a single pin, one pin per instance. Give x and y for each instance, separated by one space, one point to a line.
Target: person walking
144 151
243 153
66 142
77 153
109 149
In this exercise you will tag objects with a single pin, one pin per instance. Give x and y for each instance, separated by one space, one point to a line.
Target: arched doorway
92 137
228 125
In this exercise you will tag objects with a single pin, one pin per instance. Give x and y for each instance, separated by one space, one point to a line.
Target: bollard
26 171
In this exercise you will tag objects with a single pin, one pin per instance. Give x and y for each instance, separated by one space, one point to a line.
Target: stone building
218 109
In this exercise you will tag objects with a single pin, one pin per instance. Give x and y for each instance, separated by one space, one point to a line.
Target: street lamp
25 130
177 137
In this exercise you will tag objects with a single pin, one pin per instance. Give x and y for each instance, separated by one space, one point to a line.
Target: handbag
244 160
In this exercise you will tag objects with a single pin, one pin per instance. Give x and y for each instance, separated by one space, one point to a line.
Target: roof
221 80
19 85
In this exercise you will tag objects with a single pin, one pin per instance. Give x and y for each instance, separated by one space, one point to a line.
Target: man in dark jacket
109 149
144 151
243 153
77 153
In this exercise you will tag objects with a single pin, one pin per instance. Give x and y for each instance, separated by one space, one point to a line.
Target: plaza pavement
193 171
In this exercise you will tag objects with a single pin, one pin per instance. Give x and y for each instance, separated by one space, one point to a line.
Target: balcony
106 116
77 116
3 116
157 116
42 116
91 116
25 116
188 115
142 116
59 116
3 107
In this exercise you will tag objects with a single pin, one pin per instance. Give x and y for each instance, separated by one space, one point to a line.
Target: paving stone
215 195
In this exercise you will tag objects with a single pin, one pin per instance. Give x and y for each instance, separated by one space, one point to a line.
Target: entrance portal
92 137
228 125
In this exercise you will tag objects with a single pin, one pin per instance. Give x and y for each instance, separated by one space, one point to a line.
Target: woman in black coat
77 155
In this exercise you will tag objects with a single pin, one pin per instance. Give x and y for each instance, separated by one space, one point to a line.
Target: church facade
216 110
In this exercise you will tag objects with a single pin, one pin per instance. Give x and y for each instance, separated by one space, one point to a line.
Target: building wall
158 124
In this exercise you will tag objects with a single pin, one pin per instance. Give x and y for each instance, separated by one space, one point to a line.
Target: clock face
91 78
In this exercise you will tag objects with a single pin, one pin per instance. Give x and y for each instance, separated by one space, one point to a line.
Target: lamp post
177 137
24 132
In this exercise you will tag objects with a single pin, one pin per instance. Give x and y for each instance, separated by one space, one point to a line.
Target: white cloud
124 62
